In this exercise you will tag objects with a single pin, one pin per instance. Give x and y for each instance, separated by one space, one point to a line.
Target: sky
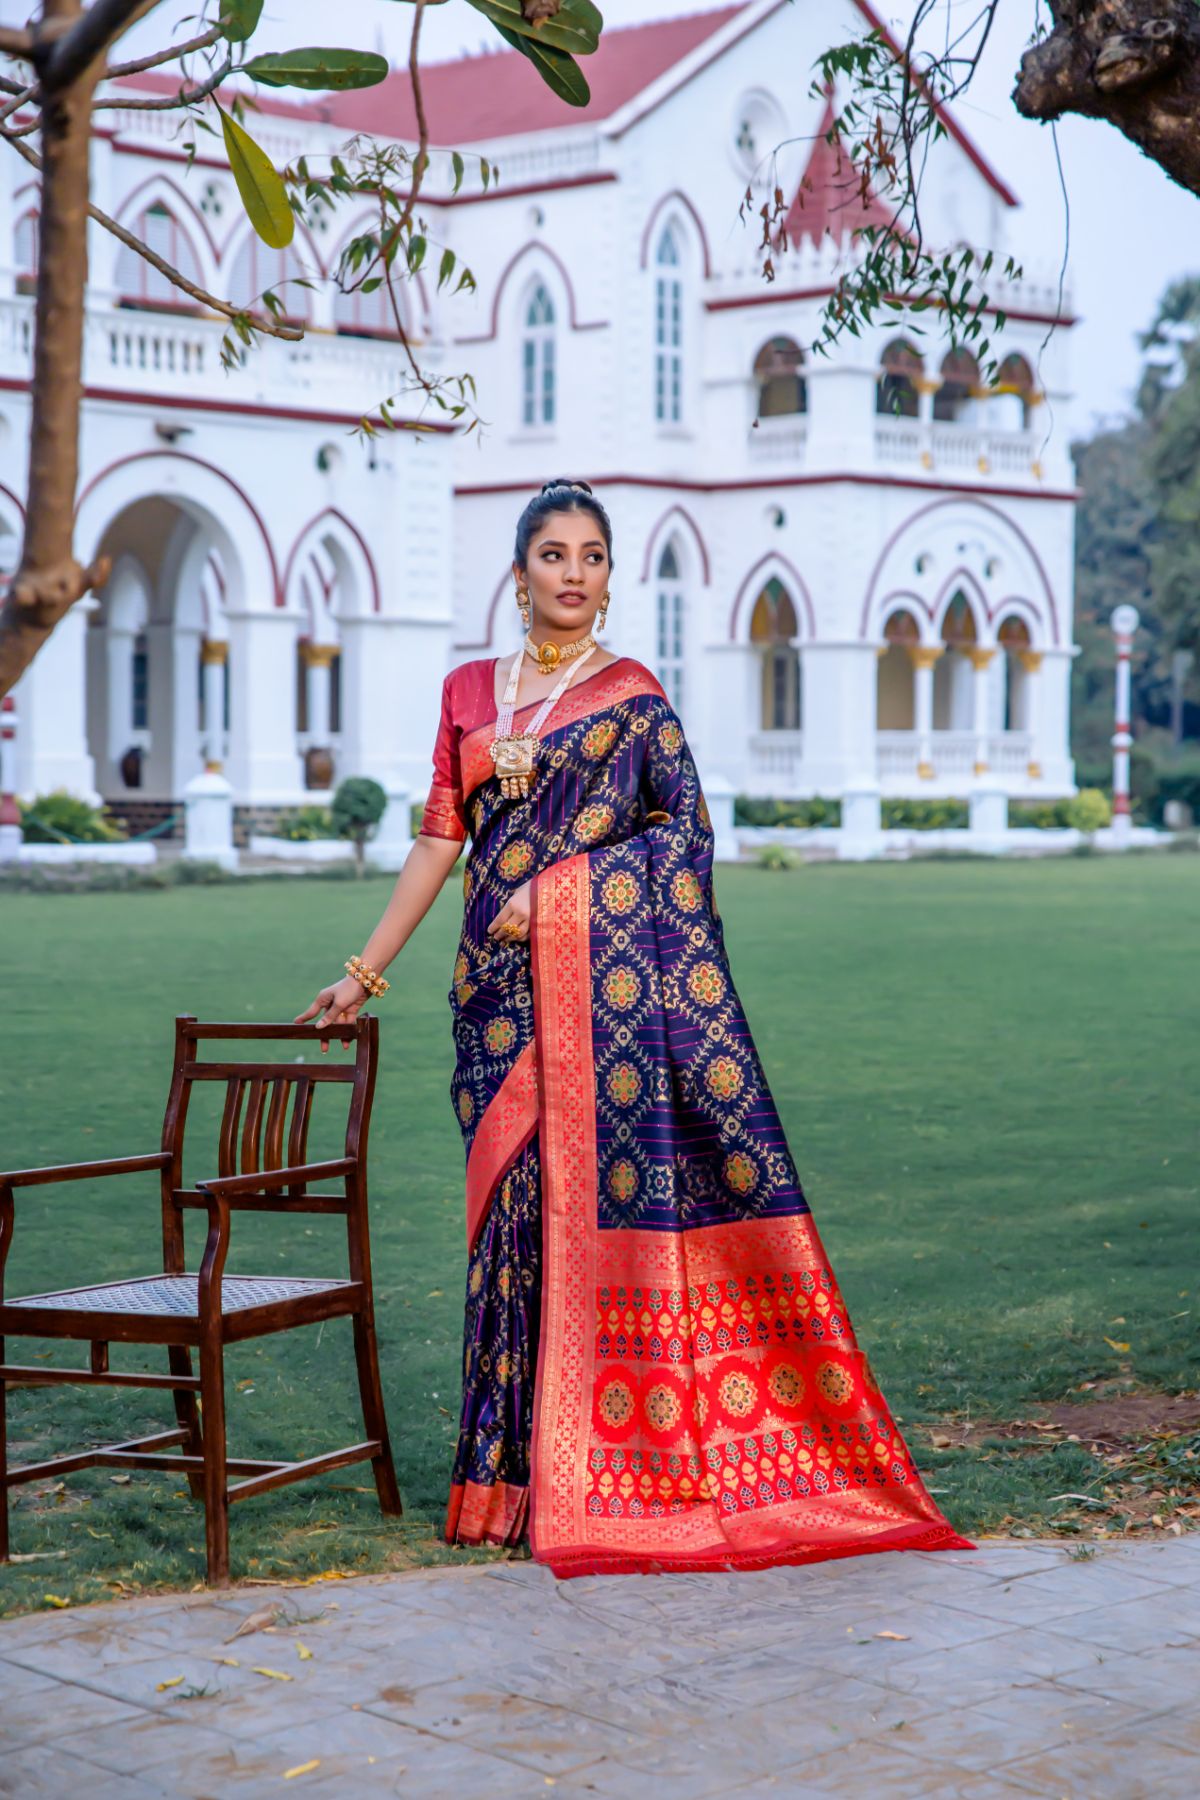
1124 229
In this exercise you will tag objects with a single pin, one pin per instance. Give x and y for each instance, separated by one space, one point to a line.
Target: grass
987 1074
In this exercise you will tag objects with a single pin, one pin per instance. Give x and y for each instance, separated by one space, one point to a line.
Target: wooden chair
208 1310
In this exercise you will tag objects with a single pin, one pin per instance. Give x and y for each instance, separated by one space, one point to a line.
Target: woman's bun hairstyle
560 494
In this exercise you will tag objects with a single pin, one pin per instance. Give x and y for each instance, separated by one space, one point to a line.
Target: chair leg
3 1463
187 1414
366 1355
216 1480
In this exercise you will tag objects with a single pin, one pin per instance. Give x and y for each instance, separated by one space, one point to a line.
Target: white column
923 658
214 656
1031 662
1054 720
264 765
119 681
392 671
981 664
186 747
840 693
1125 622
52 749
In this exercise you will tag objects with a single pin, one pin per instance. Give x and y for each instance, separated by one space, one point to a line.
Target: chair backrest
268 1102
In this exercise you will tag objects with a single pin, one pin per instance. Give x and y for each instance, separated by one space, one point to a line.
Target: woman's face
566 573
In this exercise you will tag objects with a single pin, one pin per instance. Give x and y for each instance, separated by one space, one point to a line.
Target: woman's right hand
338 1004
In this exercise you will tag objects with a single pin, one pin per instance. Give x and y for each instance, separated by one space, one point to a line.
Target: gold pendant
548 656
514 759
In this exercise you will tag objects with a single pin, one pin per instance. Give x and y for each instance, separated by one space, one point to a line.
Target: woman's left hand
511 923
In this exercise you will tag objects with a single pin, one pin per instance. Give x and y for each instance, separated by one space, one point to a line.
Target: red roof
500 93
830 197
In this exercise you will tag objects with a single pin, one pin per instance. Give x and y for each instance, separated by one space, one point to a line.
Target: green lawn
988 1074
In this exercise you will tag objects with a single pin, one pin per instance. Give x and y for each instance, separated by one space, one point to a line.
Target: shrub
793 815
1088 811
924 815
306 825
1040 815
63 818
777 856
358 806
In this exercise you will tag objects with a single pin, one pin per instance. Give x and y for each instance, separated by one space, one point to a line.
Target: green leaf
239 19
263 193
459 169
446 267
323 69
416 253
559 71
569 30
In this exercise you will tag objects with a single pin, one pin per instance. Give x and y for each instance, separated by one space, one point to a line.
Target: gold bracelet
367 977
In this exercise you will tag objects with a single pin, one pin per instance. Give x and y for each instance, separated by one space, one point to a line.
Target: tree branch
14 41
269 327
176 51
60 58
1133 63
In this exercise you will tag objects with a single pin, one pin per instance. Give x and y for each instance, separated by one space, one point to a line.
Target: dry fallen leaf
940 1440
302 1769
55 1600
120 1480
247 1386
255 1621
1114 1345
229 1662
275 1674
162 1686
304 1653
897 1637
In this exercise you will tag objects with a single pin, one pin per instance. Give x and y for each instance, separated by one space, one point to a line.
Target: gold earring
604 609
523 605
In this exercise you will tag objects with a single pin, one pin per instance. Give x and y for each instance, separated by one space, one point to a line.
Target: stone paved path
1015 1670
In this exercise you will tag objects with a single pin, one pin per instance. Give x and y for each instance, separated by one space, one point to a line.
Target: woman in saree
659 1368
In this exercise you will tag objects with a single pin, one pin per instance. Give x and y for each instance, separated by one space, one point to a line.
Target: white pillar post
214 656
390 846
264 765
1124 623
981 662
119 668
1031 662
208 815
923 658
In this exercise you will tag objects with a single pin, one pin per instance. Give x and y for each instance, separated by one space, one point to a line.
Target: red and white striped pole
11 834
1124 623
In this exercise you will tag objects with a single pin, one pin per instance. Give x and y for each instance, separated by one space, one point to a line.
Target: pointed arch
770 567
158 190
366 315
935 537
651 231
354 568
535 247
677 520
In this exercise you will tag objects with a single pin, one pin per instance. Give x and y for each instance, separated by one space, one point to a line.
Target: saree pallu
659 1369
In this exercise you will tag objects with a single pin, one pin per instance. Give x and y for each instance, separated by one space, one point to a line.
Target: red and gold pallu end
486 1515
502 1133
701 1400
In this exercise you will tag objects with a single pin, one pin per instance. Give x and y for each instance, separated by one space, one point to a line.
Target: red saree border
576 1255
502 1133
621 680
561 965
486 1515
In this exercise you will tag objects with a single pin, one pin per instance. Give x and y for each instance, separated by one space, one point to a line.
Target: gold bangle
367 977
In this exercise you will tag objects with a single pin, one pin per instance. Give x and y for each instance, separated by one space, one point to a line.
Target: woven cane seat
175 1297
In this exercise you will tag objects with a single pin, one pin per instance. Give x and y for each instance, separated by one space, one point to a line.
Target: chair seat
175 1296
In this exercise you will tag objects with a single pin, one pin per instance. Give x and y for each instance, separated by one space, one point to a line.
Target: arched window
25 250
1012 396
668 330
257 267
669 616
773 627
894 709
777 374
538 375
1017 646
955 398
953 675
138 282
896 391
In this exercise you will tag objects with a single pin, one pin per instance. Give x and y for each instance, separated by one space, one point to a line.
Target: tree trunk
50 579
1134 64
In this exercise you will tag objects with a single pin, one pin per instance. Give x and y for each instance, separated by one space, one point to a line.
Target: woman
659 1369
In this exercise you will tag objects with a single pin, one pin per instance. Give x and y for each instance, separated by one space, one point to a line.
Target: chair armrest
84 1171
227 1186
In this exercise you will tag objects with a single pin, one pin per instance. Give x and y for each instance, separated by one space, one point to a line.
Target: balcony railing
178 355
782 440
951 753
777 756
961 449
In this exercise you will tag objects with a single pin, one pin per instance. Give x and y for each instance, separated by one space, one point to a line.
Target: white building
847 571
